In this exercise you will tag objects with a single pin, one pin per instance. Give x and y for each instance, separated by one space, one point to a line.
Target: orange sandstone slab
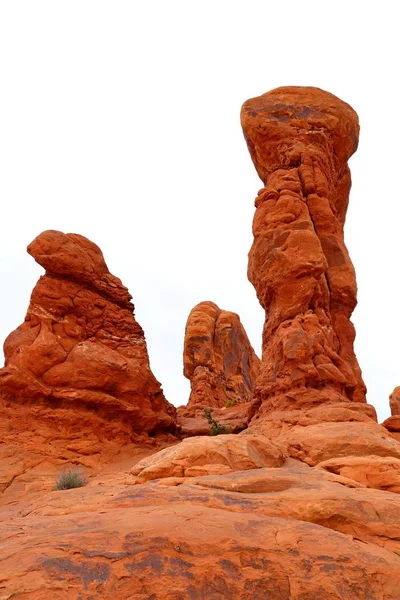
294 533
209 455
379 472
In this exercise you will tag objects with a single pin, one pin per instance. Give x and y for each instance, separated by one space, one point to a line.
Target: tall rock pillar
300 139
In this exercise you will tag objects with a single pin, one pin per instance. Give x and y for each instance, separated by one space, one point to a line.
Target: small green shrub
70 479
215 427
230 402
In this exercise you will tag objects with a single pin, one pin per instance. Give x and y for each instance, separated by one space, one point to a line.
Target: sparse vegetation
72 478
230 402
215 427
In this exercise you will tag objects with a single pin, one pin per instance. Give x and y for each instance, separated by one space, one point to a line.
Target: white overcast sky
119 120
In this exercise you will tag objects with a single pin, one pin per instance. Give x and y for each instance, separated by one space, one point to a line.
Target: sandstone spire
300 139
80 352
218 358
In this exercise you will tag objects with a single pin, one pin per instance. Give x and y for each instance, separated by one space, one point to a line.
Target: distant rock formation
80 347
394 401
218 358
300 139
392 424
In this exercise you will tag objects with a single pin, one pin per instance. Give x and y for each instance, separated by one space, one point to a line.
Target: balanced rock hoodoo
300 140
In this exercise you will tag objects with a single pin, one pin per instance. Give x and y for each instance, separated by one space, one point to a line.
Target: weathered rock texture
218 358
300 140
285 533
80 357
192 420
394 401
298 506
210 456
381 473
392 424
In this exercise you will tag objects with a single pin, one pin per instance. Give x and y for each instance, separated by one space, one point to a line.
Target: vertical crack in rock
300 140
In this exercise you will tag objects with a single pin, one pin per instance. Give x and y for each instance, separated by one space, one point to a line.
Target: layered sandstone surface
392 424
78 365
300 140
285 532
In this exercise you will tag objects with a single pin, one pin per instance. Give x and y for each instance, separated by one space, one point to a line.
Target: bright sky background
119 120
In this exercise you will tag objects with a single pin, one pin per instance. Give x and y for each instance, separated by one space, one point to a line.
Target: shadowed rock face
300 140
218 358
80 347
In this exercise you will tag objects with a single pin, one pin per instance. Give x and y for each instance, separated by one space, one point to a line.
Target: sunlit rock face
300 139
80 354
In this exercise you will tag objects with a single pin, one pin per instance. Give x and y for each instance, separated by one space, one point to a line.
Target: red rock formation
394 401
287 513
381 473
392 424
300 140
218 358
209 456
222 367
80 354
192 421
